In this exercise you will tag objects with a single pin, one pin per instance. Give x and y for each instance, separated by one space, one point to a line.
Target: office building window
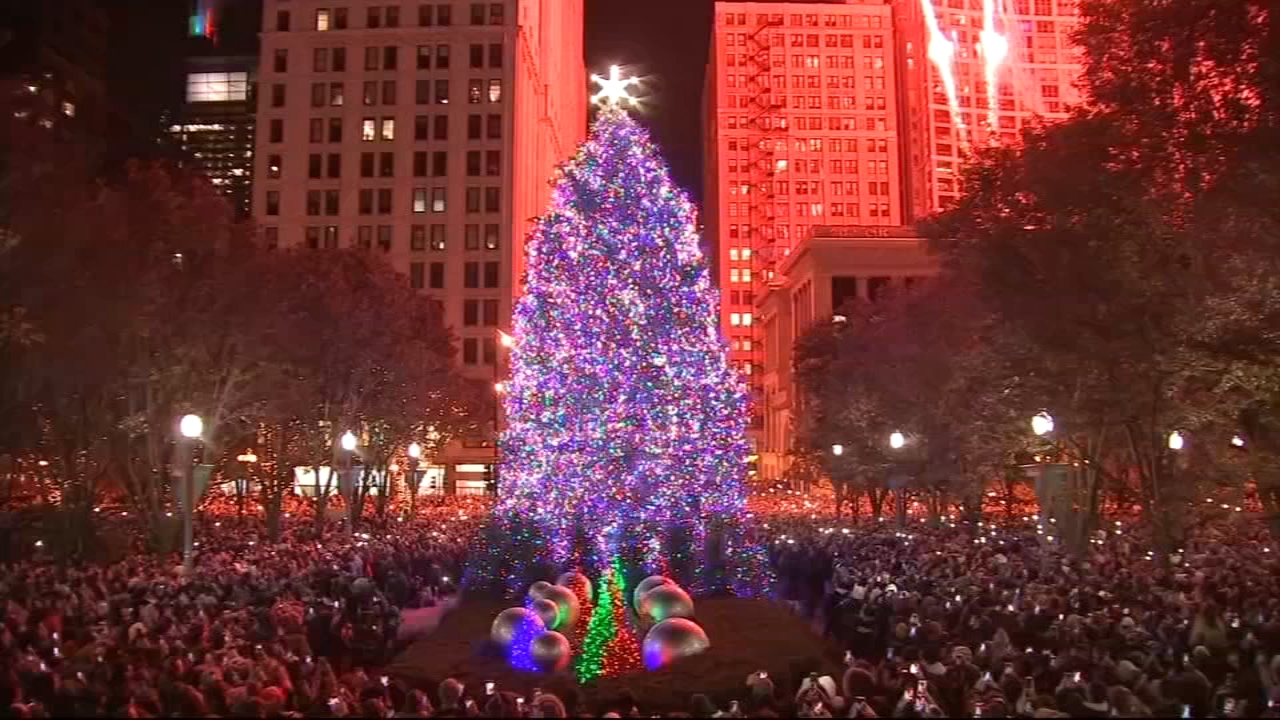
313 202
368 129
280 62
282 23
275 131
494 127
371 58
471 313
273 202
440 127
439 163
392 17
277 95
493 163
373 19
418 237
470 351
384 238
491 236
477 56
273 167
335 165
420 163
316 126
388 92
331 237
475 91
386 165
422 92
473 163
370 94
313 237
366 164
366 202
442 57
438 238
335 94
471 275
497 13
442 92
322 19
472 237
437 200
390 55
340 19
424 57
384 201
489 313
475 127
477 13
492 200
490 351
421 127
435 279
335 130
491 274
315 166
364 237
419 200
417 275
495 55
319 95
495 90
388 131
340 57
320 60
473 200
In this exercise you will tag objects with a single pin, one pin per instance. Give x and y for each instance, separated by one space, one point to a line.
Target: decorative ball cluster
674 636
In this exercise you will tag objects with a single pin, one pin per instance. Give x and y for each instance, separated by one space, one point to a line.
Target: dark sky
664 41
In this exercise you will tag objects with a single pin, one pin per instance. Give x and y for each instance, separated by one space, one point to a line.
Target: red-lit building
853 113
427 133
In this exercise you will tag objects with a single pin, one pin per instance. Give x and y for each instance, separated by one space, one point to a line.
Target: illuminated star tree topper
613 89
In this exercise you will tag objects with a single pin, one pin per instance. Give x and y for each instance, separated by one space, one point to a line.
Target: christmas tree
622 411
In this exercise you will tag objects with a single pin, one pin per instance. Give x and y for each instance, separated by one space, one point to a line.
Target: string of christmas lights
622 654
600 629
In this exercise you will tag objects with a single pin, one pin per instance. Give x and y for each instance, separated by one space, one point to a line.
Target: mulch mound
746 636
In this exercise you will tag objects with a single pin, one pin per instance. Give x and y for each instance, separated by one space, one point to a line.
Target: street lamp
415 454
1237 441
349 441
897 440
247 458
345 485
190 427
1176 441
837 450
1042 424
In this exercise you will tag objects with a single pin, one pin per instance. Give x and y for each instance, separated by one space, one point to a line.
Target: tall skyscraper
426 133
215 124
802 131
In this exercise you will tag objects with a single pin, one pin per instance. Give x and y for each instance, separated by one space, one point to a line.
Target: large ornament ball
513 622
550 651
577 582
665 602
646 585
671 640
538 590
567 602
548 611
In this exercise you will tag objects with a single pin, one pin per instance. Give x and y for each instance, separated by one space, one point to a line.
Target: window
368 129
477 56
497 13
470 354
495 90
271 235
422 91
275 131
340 58
280 62
477 13
371 58
420 163
389 57
471 313
273 167
366 202
489 312
217 87
320 60
473 200
386 165
313 202
437 200
340 20
313 237
492 200
491 236
475 91
319 94
335 130
494 127
419 200
331 202
370 92
473 163
439 163
437 237
435 279
331 236
444 15
335 165
472 237
442 92
335 94
493 163
442 57
364 237
424 57
374 18
417 273
322 20
440 127
316 126
273 202
471 275
426 15
388 131
490 351
418 237
384 238
388 92
421 127
315 165
392 17
384 201
495 55
491 274
282 21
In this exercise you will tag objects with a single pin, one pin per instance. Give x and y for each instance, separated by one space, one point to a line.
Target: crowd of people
951 620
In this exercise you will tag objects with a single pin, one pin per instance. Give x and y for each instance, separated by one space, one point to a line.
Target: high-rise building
802 131
215 123
951 52
426 133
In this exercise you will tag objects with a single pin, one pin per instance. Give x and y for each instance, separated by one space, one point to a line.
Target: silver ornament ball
550 651
577 582
646 585
665 602
567 602
513 622
538 590
671 640
548 611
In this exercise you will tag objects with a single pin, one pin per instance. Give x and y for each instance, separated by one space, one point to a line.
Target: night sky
664 41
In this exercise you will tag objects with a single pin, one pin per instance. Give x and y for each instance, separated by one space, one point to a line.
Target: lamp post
247 459
837 450
190 427
1176 441
415 454
1042 424
897 440
345 486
